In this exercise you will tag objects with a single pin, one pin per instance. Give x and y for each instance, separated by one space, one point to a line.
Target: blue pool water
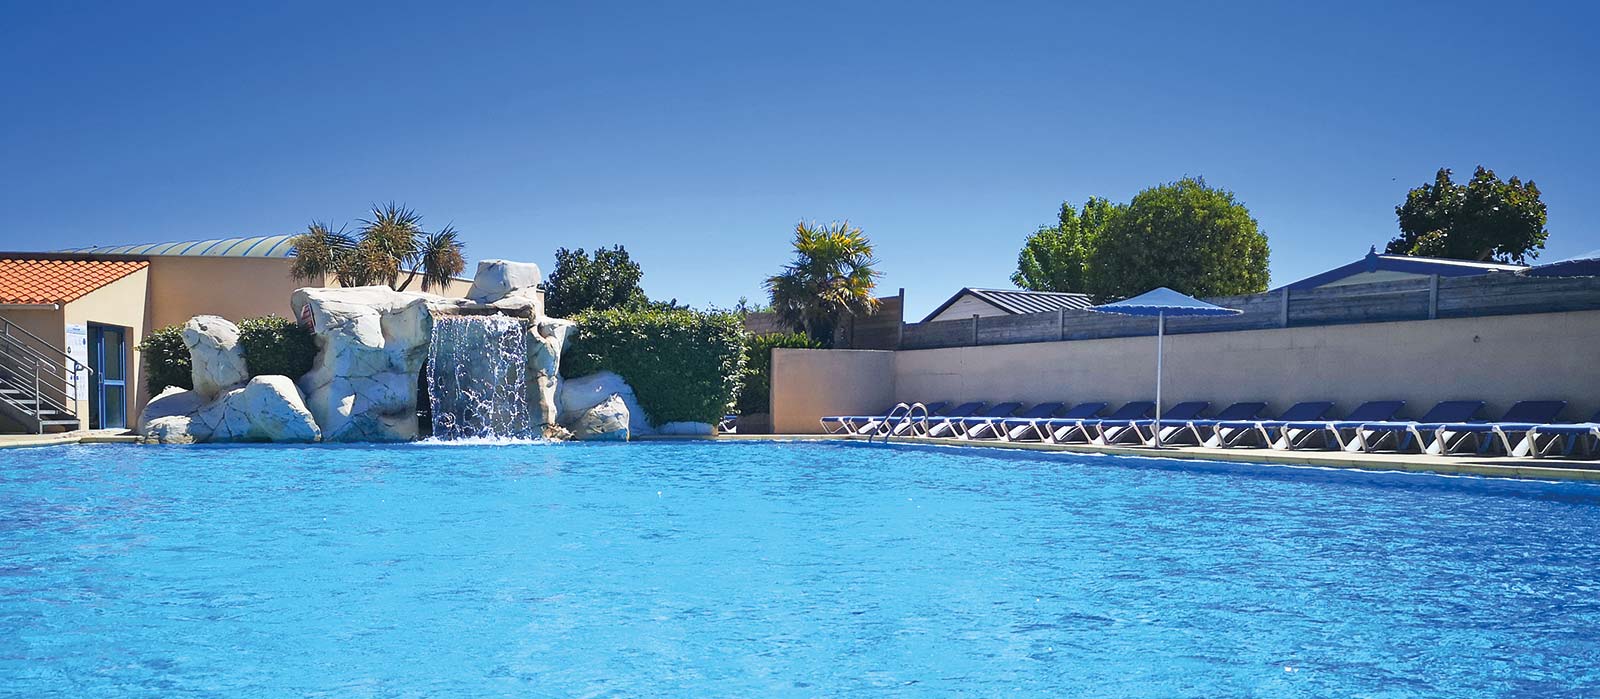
779 570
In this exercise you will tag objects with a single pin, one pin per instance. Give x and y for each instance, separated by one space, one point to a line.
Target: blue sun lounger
1519 420
1067 430
1033 429
863 424
1296 434
1172 419
959 428
943 425
1208 432
1232 433
1569 436
994 427
1371 436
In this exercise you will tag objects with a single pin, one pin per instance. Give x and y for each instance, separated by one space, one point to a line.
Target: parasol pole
1161 326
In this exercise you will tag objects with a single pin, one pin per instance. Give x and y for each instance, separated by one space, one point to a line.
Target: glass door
108 405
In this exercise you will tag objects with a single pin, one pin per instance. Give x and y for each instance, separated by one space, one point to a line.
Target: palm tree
830 277
390 242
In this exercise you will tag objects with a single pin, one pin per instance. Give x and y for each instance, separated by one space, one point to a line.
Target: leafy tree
831 276
275 345
1056 258
1482 220
166 360
609 279
1185 235
390 242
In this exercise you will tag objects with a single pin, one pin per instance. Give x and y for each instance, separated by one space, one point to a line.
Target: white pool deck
1490 466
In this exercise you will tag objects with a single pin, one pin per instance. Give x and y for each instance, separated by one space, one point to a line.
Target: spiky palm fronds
438 259
394 231
319 253
832 275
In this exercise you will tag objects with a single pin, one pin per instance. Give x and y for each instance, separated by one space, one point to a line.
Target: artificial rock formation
508 287
216 359
547 339
605 421
579 395
266 409
373 341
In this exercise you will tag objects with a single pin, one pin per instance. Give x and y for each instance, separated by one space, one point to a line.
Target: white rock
686 428
374 341
498 279
578 395
606 421
547 340
267 409
173 402
217 360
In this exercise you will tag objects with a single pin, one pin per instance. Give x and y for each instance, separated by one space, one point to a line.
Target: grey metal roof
1017 301
254 246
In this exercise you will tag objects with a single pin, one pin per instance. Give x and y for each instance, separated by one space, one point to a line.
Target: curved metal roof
256 246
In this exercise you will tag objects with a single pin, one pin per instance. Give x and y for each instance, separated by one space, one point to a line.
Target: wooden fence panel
1406 299
1504 294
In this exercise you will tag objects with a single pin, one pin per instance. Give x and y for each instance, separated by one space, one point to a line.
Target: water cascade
478 378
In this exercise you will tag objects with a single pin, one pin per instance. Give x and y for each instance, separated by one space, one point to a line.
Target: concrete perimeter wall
813 383
1500 359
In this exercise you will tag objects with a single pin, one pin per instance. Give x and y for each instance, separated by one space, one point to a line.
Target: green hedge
166 360
271 345
274 345
683 365
756 388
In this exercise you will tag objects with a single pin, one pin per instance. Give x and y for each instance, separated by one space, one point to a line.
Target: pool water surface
701 569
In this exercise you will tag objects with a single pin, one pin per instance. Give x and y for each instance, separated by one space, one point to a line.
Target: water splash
478 379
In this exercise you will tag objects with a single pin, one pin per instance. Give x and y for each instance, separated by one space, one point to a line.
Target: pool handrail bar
895 418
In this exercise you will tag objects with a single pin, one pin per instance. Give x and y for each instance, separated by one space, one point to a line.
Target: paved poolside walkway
1495 466
74 437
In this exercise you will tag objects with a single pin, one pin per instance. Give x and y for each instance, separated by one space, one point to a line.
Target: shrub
756 387
274 345
166 360
683 365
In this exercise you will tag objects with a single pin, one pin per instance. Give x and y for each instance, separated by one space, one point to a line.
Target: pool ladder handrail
898 416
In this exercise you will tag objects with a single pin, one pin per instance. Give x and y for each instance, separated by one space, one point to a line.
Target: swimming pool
701 569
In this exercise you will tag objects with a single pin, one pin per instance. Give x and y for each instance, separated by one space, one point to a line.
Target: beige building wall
121 303
232 287
1500 359
807 384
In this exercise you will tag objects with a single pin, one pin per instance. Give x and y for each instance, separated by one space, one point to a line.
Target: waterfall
478 378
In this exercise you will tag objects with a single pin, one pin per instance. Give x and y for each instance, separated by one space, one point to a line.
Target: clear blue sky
697 136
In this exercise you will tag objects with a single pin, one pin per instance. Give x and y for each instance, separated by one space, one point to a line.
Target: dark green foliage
1483 220
683 365
1056 258
580 283
166 360
756 387
1188 236
274 345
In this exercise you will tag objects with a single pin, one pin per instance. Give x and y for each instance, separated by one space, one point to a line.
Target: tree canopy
832 275
1056 258
1185 235
390 243
608 279
1485 219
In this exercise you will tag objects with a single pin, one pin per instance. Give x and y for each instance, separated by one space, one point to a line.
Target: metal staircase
38 381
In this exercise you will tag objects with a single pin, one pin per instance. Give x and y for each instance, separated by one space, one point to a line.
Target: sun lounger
1209 432
1267 433
1019 429
1294 434
1078 429
994 427
1573 437
1143 431
1519 420
1402 436
960 428
944 425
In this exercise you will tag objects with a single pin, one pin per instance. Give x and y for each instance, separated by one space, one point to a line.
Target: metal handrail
6 326
26 366
895 418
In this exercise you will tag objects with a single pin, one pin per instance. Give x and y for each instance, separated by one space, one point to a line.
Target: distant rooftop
1017 301
256 246
1407 264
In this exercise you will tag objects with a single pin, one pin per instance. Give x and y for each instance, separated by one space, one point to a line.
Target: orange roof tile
31 281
